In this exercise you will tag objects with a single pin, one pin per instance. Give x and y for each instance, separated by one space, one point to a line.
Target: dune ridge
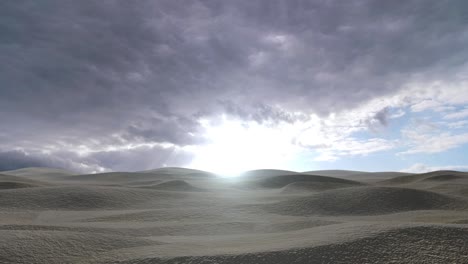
174 185
435 176
281 181
367 200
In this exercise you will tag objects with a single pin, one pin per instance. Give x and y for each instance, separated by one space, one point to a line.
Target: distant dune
178 215
15 185
283 180
359 175
266 173
367 201
174 185
335 173
115 177
446 177
78 198
38 172
15 182
311 186
435 175
179 172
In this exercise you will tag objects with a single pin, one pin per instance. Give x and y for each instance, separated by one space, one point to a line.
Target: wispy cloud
436 143
352 147
457 115
421 168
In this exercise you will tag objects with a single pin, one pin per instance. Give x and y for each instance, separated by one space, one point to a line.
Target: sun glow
237 146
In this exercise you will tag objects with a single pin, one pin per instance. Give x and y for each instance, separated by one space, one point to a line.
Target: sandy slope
14 182
359 175
367 201
177 215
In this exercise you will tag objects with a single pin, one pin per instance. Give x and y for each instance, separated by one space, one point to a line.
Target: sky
228 86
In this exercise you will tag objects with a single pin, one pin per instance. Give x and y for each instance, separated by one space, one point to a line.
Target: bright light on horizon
237 146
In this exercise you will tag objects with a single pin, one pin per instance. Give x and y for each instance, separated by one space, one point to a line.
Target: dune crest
283 180
174 185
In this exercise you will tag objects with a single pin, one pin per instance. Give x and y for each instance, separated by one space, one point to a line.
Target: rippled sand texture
175 215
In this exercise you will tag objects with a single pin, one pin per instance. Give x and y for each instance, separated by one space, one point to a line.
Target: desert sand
177 215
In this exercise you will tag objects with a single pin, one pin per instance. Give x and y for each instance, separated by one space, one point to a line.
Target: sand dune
13 178
34 171
367 201
301 187
19 246
138 178
445 182
335 173
15 185
116 177
373 177
174 185
182 229
446 177
283 180
177 215
78 198
434 176
16 182
368 177
39 173
266 173
180 172
406 245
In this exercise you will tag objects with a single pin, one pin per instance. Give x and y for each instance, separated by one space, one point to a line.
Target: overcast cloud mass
217 85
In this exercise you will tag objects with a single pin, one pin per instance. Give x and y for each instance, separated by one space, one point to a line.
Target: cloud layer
123 85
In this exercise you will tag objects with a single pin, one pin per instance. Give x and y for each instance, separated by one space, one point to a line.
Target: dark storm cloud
141 158
171 129
260 113
378 120
12 160
383 116
16 159
100 73
134 159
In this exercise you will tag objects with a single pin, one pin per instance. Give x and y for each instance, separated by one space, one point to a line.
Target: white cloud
399 113
281 41
457 115
326 156
421 168
353 147
453 92
422 94
434 143
425 105
458 124
258 59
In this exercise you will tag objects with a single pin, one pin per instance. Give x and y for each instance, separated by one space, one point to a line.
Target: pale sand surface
176 215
